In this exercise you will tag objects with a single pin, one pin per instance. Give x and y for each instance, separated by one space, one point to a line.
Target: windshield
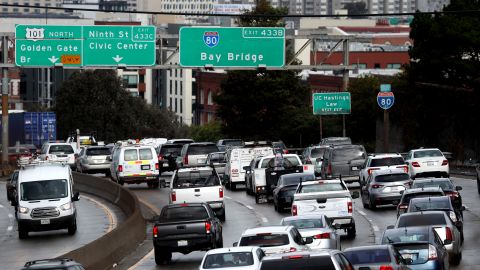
60 149
170 150
291 179
368 256
98 151
404 235
306 263
348 154
421 220
304 223
265 240
202 149
225 260
317 152
322 188
423 205
443 184
390 161
427 153
392 177
288 162
44 190
190 179
407 197
184 213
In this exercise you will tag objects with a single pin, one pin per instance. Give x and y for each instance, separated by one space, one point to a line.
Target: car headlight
23 210
66 206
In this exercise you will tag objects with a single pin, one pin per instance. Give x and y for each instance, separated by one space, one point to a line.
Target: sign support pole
5 102
321 128
345 77
386 131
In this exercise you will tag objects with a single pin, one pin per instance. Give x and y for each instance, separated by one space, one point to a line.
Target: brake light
448 234
405 168
322 236
294 210
296 257
174 196
156 166
185 160
160 157
415 164
385 267
329 169
234 170
403 206
208 227
285 151
220 193
155 231
452 194
350 207
371 170
432 253
184 204
444 162
377 186
120 168
292 249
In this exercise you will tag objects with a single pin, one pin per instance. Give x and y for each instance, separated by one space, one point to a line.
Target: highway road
243 213
95 218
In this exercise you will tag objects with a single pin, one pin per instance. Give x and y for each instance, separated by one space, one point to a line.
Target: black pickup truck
185 228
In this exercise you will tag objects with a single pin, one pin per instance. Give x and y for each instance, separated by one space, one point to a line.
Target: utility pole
346 52
5 102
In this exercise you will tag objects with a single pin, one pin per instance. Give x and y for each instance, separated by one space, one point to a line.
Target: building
33 9
189 6
207 85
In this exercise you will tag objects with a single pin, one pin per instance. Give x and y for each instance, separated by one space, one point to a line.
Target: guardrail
112 247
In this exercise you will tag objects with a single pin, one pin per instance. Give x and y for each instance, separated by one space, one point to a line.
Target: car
319 227
217 160
376 257
58 152
274 239
328 197
343 160
318 259
384 187
94 159
443 225
286 187
194 154
180 141
442 203
224 143
335 141
408 194
314 155
53 264
420 246
280 146
427 162
246 258
446 185
381 161
167 155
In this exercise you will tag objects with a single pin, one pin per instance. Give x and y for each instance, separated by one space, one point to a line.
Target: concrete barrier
112 247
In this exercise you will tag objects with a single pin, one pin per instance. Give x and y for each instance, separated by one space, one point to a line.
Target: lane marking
375 228
1 206
146 257
10 228
361 213
265 220
112 218
248 206
10 216
227 197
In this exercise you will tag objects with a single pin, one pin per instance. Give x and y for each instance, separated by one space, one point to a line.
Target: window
130 81
171 87
210 102
26 10
396 66
376 65
181 88
130 154
360 66
176 87
265 240
145 154
181 106
170 104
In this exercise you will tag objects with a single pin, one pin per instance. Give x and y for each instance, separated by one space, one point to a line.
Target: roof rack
36 162
61 260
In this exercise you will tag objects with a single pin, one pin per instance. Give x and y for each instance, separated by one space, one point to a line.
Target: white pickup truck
197 185
329 197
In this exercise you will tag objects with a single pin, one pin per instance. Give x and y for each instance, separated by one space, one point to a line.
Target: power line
459 12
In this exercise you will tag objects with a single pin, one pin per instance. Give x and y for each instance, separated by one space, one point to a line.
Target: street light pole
5 102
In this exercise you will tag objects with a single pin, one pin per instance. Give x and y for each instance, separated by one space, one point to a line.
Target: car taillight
185 160
377 186
403 206
371 170
208 227
292 249
452 215
322 236
385 267
452 194
155 231
294 210
120 168
174 196
432 253
160 157
350 207
444 162
448 234
220 192
415 164
285 151
405 168
46 157
329 169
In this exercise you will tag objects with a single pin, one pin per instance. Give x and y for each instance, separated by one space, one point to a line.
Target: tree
209 132
95 101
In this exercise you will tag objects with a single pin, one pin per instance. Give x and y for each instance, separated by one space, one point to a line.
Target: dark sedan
446 185
286 186
377 257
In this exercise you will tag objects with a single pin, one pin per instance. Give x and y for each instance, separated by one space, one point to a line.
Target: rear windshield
145 153
60 149
337 141
390 161
322 188
98 151
392 177
407 197
400 236
417 253
288 179
348 154
170 149
184 213
308 263
421 220
427 153
288 162
217 158
130 154
265 240
304 223
368 256
201 149
317 152
443 184
226 260
426 205
44 190
233 142
190 179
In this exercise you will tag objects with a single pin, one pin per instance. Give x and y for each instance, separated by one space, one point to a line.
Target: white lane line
112 219
265 220
361 213
1 206
228 197
375 228
248 206
146 257
10 216
10 228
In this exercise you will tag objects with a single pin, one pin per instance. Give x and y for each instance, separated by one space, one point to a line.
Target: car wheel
478 185
220 242
257 199
72 228
233 186
162 256
372 204
457 258
365 205
22 232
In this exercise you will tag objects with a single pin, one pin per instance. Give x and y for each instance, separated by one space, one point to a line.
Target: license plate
430 163
145 167
182 243
201 161
45 221
413 257
165 165
354 168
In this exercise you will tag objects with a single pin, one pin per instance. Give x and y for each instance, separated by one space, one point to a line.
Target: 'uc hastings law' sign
331 103
232 46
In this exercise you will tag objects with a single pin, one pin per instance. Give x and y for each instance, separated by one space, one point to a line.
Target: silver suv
195 154
343 161
384 187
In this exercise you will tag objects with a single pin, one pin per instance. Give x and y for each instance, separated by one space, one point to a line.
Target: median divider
112 247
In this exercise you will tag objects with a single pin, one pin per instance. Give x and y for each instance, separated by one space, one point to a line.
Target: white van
135 164
45 199
58 152
237 158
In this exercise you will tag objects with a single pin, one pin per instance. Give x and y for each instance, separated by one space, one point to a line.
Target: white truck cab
45 199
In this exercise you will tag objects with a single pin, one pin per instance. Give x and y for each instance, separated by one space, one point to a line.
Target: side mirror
76 196
447 242
458 188
235 244
458 224
355 195
389 227
308 240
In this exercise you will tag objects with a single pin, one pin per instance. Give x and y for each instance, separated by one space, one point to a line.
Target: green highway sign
331 103
50 45
232 46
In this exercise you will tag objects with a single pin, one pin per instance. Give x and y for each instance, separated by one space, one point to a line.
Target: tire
161 256
220 242
156 185
478 185
233 186
372 204
457 258
72 228
257 199
108 174
351 232
365 205
22 232
222 216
